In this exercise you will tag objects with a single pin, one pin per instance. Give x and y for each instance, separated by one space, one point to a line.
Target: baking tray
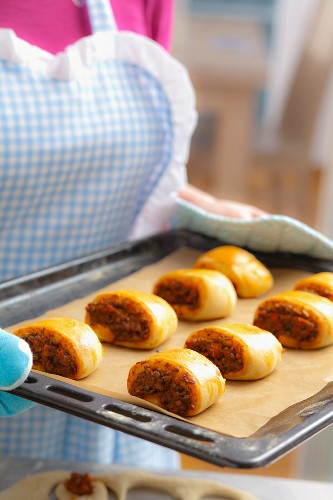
34 294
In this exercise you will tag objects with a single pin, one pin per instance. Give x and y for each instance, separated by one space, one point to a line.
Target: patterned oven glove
271 233
15 365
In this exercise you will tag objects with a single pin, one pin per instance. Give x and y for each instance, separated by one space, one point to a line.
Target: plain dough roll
320 284
298 319
63 346
197 294
240 351
248 275
180 381
131 318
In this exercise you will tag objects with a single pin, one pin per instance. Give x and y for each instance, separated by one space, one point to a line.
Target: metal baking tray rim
65 283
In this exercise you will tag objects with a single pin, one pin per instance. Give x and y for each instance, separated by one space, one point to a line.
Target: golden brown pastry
131 318
63 346
320 284
298 319
248 275
197 294
240 351
180 381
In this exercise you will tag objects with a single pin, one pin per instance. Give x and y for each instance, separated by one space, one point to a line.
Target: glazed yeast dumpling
180 381
131 318
298 319
320 284
197 294
240 351
63 346
248 275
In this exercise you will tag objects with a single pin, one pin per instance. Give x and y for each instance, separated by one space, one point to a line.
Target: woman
64 197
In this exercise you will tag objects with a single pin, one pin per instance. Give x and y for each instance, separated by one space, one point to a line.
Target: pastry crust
240 351
248 275
298 319
63 346
131 318
197 294
41 486
180 381
320 284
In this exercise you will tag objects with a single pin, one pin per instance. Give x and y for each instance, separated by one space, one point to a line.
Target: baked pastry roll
197 294
248 275
81 487
320 284
180 381
240 351
131 318
63 346
298 319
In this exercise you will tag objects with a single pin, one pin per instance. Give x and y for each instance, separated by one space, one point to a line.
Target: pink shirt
54 24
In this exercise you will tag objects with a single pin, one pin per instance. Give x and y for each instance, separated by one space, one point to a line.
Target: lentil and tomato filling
224 352
173 388
79 484
177 293
50 353
317 290
126 318
285 319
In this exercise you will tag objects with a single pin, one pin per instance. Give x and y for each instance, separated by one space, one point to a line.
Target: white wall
292 19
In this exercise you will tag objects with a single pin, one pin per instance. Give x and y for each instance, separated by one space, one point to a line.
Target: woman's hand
216 206
15 365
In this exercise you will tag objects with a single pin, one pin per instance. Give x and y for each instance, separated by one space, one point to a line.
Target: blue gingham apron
87 139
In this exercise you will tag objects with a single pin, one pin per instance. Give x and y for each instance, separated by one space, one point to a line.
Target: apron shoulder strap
101 16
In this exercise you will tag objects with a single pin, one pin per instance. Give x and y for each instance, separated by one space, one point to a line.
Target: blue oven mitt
15 365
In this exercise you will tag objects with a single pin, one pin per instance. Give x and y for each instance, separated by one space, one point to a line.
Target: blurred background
262 73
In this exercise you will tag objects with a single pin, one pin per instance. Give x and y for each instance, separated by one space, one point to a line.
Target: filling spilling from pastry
79 484
81 487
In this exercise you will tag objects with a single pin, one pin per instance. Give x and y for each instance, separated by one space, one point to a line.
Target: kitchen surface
262 488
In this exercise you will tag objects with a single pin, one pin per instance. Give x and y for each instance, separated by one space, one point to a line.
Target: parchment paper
245 406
